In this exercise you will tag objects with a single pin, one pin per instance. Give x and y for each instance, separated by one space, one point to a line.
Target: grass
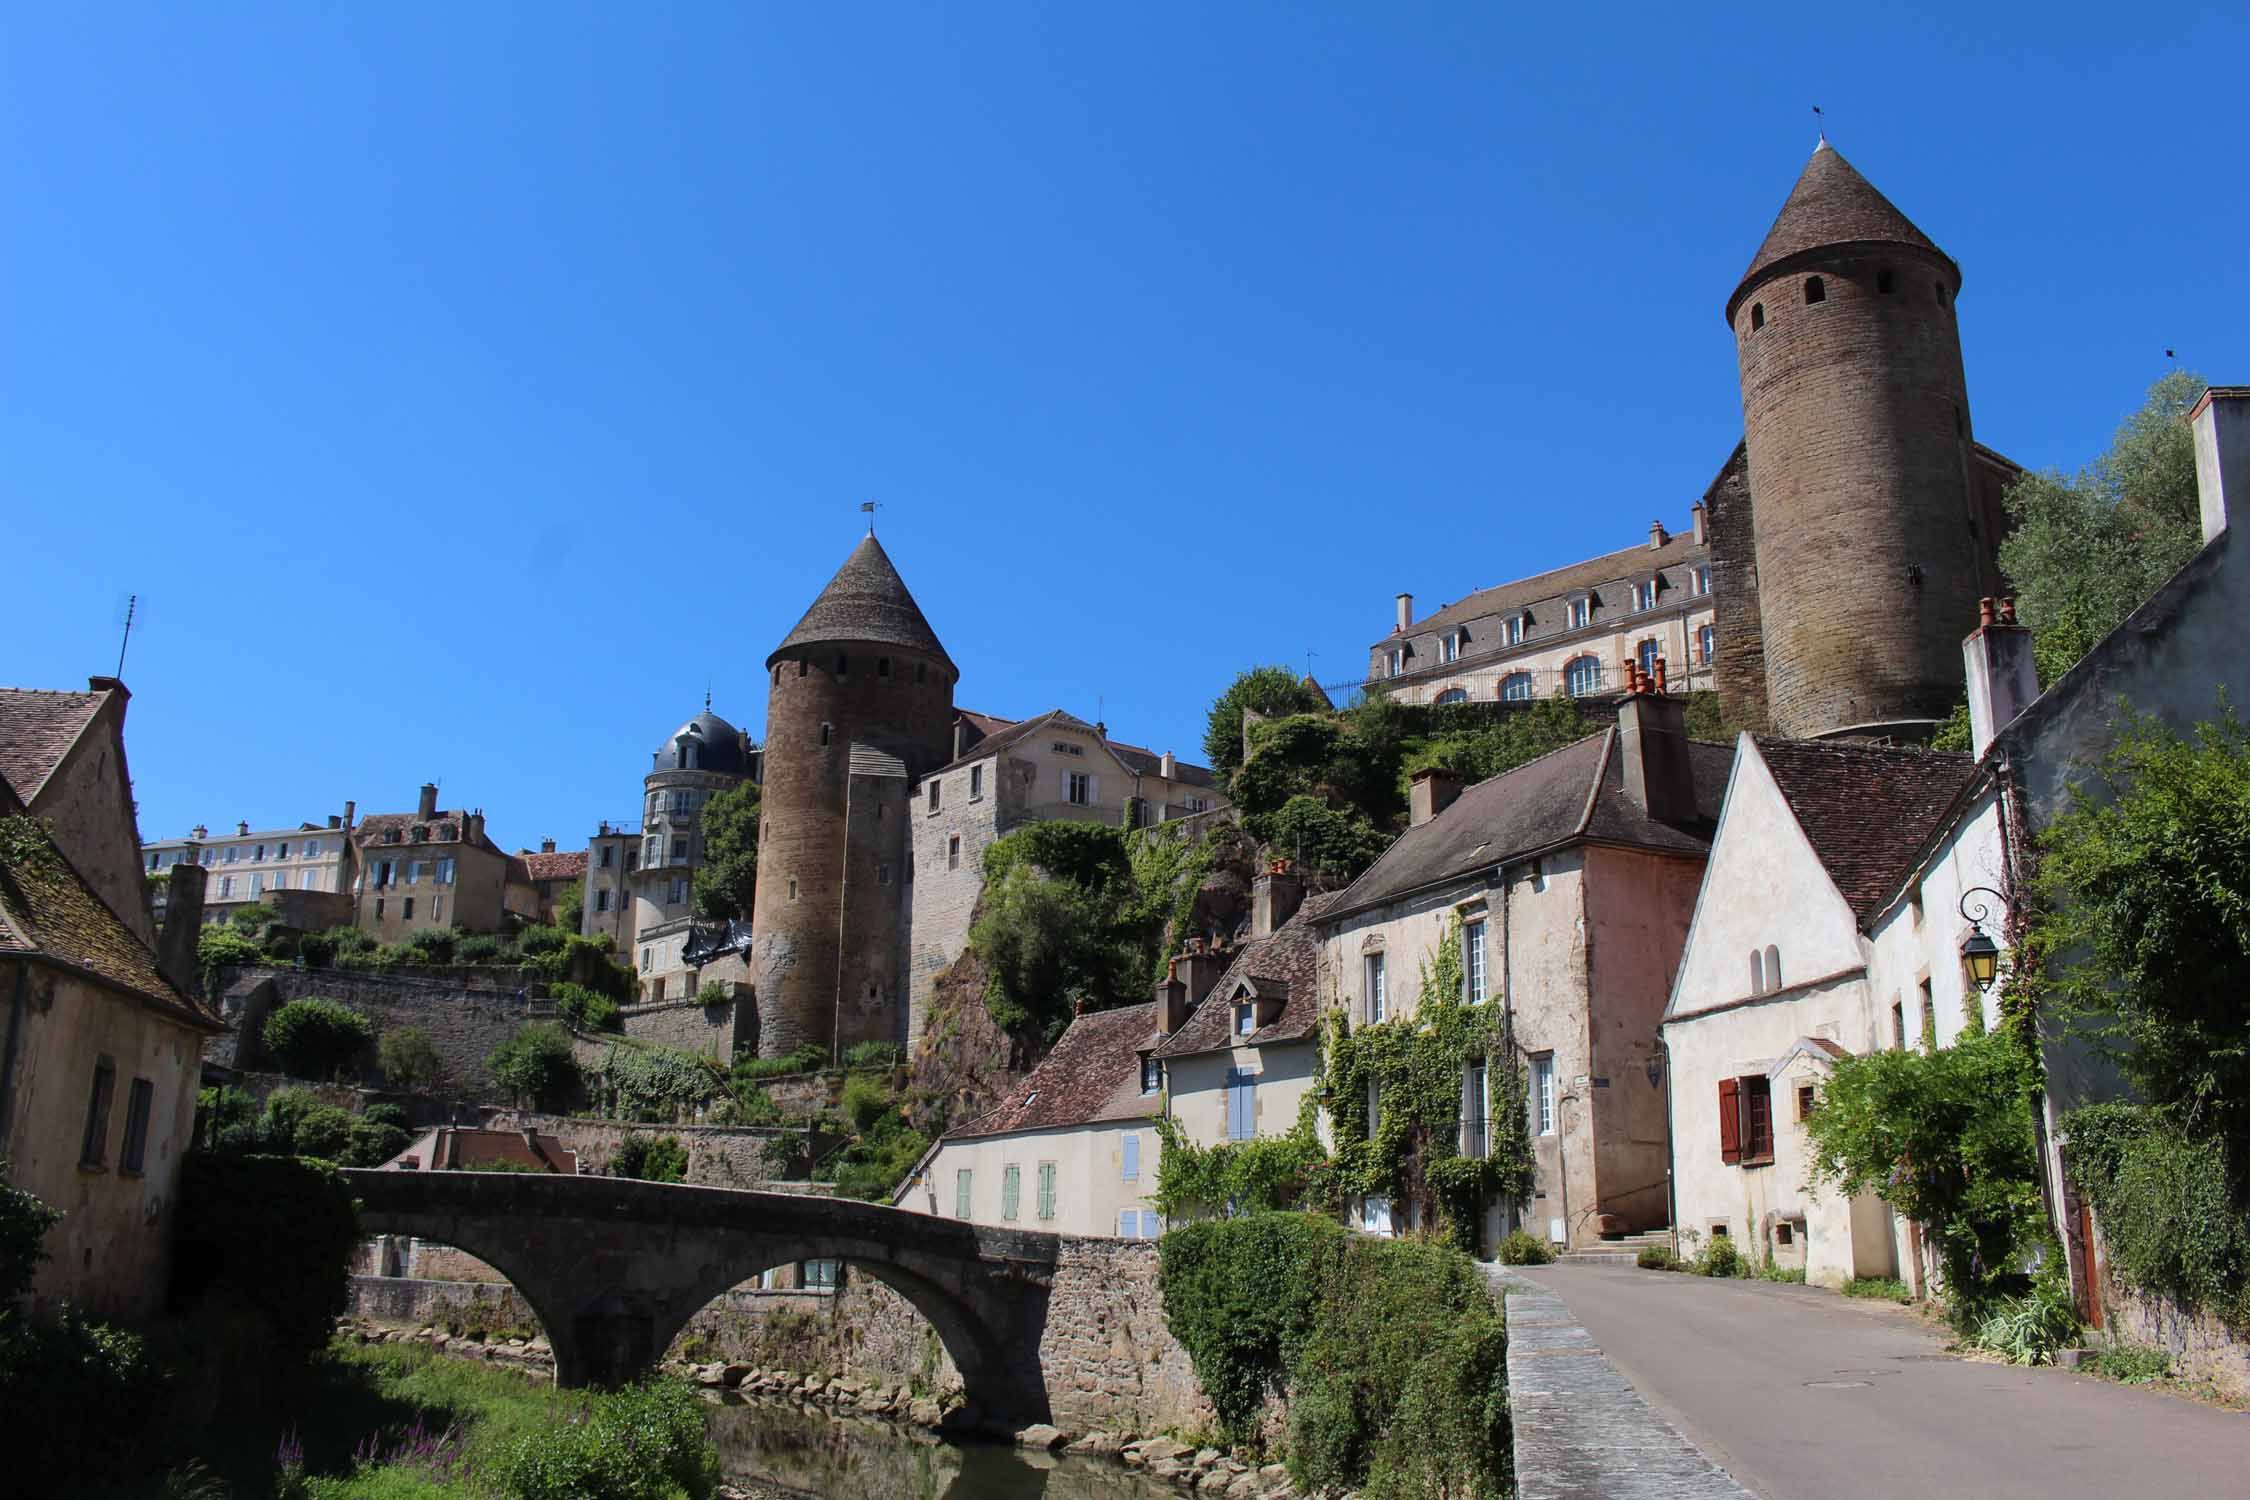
2130 1364
1878 1289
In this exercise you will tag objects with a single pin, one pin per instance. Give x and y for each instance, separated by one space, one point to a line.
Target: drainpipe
1671 1143
14 1046
1508 1006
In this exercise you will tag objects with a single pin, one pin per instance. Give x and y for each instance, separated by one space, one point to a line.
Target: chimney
183 925
427 809
241 827
334 821
350 808
1697 513
602 831
546 846
2003 679
1656 537
472 831
1274 899
1172 1003
1405 613
960 737
199 832
2221 422
1433 792
1168 767
1199 968
1652 731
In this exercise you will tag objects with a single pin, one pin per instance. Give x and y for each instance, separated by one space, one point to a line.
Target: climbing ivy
1245 1177
654 1084
1413 1066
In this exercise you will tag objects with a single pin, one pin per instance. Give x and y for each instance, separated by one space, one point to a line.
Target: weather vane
869 507
1820 122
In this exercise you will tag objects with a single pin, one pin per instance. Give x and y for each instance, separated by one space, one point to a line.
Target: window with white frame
976 782
1078 788
1644 595
1582 675
1543 1094
1645 653
1707 644
1378 1004
1152 1075
1453 695
1397 661
961 1200
1245 1018
1581 611
1511 630
1699 582
953 852
933 794
1516 687
1472 959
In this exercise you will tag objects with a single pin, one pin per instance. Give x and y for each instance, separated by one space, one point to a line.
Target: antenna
132 601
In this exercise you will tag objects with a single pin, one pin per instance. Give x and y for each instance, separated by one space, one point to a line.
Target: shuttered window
1131 1143
961 1194
1242 1106
1746 1120
1046 1190
1128 1223
1730 1120
1011 1191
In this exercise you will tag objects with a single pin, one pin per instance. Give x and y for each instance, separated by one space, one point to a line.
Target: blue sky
464 389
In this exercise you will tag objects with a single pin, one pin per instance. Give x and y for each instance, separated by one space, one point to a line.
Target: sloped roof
48 909
723 746
1093 1074
1867 811
1139 761
1577 791
551 866
1289 957
1679 549
37 729
445 827
1833 205
866 601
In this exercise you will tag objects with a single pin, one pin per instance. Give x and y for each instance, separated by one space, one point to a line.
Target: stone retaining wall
407 1302
730 1156
465 1020
689 1024
2200 1346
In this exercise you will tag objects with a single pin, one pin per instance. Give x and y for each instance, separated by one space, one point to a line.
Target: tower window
792 887
843 666
803 667
1960 427
882 666
1937 289
1816 290
921 672
826 733
1885 283
777 677
1757 316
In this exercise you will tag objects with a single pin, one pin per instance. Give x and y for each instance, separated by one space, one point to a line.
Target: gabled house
101 1044
1568 882
1779 979
1070 1148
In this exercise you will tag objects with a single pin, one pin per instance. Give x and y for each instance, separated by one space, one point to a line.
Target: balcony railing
1476 1138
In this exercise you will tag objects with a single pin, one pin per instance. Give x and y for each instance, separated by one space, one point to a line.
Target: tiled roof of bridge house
1093 1074
37 729
1866 810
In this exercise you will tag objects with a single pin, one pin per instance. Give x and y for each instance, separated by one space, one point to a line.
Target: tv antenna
132 601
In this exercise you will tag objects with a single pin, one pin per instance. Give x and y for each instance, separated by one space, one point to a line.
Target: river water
778 1446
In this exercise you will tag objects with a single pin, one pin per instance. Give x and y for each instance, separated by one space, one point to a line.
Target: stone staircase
1622 1250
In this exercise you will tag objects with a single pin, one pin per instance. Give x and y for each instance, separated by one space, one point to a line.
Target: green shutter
961 1194
1011 1191
1046 1190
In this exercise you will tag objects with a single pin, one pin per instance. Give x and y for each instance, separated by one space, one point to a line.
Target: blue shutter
1152 1224
1132 1155
1125 1221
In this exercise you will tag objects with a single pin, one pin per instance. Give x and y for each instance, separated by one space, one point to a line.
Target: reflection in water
814 1452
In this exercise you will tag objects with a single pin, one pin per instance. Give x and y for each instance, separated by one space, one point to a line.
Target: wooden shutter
1730 1120
1132 1155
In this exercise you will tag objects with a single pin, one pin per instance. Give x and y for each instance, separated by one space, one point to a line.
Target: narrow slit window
1816 290
1757 316
1885 283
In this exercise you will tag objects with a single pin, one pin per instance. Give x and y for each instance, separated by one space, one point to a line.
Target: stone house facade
429 868
270 866
104 1031
1002 777
537 881
1570 882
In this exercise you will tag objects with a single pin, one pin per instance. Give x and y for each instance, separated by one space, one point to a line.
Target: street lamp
1979 954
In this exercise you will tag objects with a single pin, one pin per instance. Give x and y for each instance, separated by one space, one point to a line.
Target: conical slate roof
1833 205
866 601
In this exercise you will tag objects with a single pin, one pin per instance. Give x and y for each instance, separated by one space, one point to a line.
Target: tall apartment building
433 867
304 872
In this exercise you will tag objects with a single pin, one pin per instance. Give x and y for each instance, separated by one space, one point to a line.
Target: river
778 1447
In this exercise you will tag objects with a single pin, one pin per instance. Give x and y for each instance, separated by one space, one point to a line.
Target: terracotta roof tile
1625 565
1093 1074
1141 762
1289 959
866 601
568 866
1832 205
445 828
1867 811
37 729
47 908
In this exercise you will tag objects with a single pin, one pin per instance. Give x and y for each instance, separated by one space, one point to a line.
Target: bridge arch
614 1268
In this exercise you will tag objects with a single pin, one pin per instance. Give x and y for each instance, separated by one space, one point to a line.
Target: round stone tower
860 704
1856 415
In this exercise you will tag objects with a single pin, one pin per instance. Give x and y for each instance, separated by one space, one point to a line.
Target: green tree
316 1038
570 906
1048 944
728 879
1272 691
535 1064
2085 550
24 1222
1502 743
409 1059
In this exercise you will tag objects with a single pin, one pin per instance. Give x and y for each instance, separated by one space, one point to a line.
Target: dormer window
1644 595
1396 663
1512 629
1451 645
1699 582
1580 611
1245 1018
1152 1075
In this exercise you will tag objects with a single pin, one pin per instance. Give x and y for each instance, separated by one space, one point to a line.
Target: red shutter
1730 1120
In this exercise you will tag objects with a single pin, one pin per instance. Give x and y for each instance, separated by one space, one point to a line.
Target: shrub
864 1102
754 1107
713 993
373 1142
536 1065
1524 1249
2172 1206
2027 1330
872 1055
79 1394
1719 1257
223 943
226 1118
655 1084
1239 1294
433 945
651 1158
646 1442
409 1059
324 1131
252 918
534 941
384 1114
1657 1258
805 1059
582 1009
274 1233
316 1038
2132 1364
477 948
24 1221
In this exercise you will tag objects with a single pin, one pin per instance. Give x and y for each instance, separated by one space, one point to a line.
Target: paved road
1805 1395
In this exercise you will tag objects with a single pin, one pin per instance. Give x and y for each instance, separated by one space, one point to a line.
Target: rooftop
1637 562
1867 811
568 866
1137 760
1833 205
1289 958
1094 1074
866 602
37 729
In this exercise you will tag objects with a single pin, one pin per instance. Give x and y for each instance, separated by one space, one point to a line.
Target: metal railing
1476 1137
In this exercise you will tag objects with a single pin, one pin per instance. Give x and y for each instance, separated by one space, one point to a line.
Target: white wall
1090 1186
1921 942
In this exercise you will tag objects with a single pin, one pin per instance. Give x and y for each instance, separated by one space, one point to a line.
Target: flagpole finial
1820 124
868 506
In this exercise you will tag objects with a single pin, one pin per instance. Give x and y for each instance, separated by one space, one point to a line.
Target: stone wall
718 1155
1737 619
863 1330
692 1026
465 1018
406 1302
1111 1362
2201 1348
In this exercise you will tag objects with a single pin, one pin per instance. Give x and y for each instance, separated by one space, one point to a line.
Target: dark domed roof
1833 205
866 601
704 743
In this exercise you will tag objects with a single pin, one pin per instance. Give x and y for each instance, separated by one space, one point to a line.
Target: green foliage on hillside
1060 925
584 1009
316 1038
726 884
535 1065
409 1059
1273 691
2085 550
651 1158
654 1084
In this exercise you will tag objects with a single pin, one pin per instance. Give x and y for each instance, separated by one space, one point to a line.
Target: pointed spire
865 602
1833 205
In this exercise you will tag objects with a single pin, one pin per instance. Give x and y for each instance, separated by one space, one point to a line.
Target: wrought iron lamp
1980 955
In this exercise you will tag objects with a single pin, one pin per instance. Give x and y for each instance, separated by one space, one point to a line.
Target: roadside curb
1581 1431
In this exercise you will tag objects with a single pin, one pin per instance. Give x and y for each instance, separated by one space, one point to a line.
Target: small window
1579 612
138 1102
792 887
1245 1019
1773 967
1808 1100
1453 695
933 794
1511 630
821 1274
1644 596
883 872
1645 654
843 666
1378 1003
803 667
1538 875
1707 644
601 900
777 676
1757 972
976 782
93 1149
1152 1075
1078 788
1898 1025
407 908
1784 1234
1816 290
1885 283
1929 1016
1472 961
1582 676
1011 1191
953 852
1543 1095
1046 1190
961 1194
1129 1155
1757 316
882 666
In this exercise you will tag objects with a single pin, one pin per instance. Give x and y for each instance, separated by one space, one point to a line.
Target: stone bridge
615 1267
